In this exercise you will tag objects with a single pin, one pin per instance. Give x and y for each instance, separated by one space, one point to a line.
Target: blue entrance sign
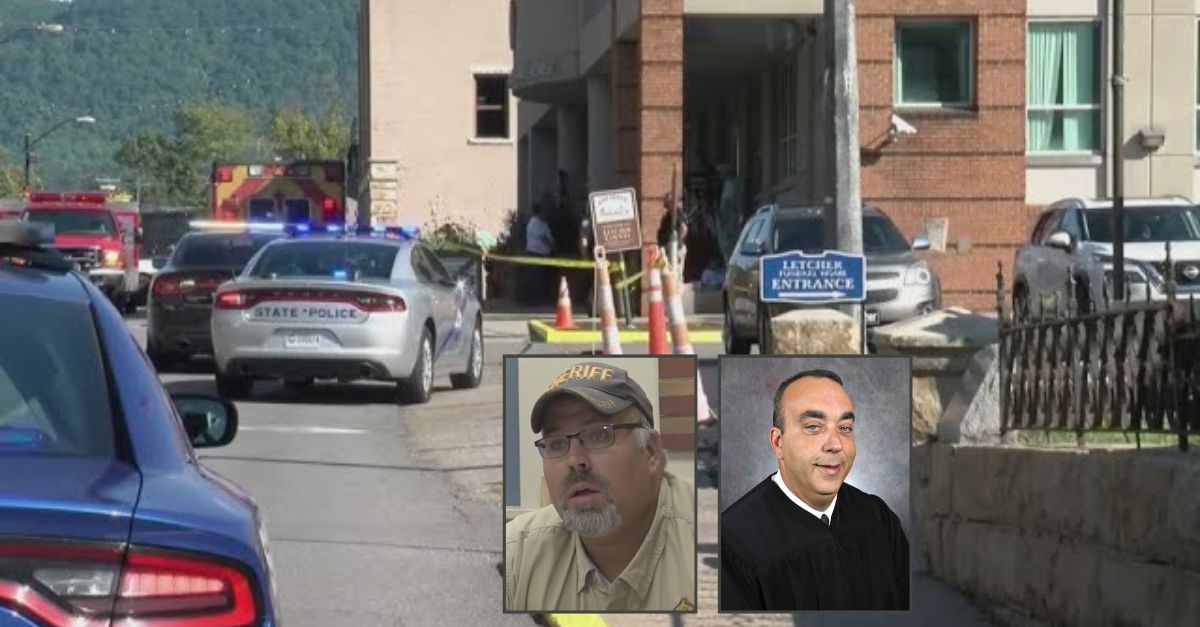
794 277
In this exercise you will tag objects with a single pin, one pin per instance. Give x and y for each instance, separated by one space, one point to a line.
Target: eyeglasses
593 438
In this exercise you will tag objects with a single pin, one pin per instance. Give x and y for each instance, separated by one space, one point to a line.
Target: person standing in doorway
539 242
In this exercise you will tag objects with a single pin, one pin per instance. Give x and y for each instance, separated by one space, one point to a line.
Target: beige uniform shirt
546 567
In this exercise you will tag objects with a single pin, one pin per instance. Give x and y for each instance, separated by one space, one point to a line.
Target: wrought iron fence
1127 367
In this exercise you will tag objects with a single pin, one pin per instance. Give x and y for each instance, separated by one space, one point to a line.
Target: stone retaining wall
1052 536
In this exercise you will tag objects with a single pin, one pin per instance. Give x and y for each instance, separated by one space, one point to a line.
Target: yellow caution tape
554 262
633 279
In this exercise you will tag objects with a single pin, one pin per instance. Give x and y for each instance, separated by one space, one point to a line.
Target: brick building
1008 99
436 119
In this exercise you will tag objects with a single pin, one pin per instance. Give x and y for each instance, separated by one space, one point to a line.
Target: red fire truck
99 235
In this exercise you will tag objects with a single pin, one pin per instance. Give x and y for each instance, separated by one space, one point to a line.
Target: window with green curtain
933 63
1062 87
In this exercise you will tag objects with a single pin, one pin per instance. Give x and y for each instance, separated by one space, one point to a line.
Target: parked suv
899 285
1073 239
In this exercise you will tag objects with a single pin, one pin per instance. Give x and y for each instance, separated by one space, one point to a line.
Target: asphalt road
369 524
380 514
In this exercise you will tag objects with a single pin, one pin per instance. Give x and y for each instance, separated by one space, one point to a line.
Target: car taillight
183 590
165 286
234 299
380 303
73 585
224 175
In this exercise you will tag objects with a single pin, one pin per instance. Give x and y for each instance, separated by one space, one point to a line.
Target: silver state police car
374 303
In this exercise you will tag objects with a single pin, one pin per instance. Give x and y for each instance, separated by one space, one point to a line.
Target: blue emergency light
300 229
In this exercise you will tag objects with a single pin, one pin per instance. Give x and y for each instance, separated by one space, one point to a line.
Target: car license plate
302 340
872 318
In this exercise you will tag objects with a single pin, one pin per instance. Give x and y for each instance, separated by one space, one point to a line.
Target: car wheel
474 373
734 345
764 332
234 387
418 387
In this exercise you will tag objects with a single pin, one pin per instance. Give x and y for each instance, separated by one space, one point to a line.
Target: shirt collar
778 479
640 571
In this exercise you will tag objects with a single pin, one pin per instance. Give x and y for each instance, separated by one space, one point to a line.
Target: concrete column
543 163
524 200
572 147
599 132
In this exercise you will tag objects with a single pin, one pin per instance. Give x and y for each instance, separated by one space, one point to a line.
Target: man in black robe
803 539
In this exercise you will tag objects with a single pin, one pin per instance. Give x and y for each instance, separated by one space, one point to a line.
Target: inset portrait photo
814 483
599 484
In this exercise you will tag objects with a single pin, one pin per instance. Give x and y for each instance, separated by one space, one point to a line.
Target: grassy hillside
131 63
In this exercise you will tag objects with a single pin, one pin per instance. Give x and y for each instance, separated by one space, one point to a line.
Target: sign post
616 228
827 278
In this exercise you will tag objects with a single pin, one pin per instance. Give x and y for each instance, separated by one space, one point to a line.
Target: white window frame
1098 107
971 65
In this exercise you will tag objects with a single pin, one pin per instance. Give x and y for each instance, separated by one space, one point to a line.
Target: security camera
901 127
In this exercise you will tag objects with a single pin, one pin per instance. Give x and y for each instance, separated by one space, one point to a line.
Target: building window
786 124
935 63
491 106
1062 87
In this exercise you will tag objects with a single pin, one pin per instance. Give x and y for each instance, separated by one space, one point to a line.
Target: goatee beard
586 519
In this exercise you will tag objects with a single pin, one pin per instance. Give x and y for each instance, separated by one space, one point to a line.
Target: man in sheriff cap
620 534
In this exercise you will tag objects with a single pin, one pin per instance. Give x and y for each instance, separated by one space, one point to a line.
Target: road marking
301 429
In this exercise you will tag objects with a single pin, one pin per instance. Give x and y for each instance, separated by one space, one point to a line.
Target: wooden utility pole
839 20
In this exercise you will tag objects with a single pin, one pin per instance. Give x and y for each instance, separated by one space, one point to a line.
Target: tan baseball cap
605 387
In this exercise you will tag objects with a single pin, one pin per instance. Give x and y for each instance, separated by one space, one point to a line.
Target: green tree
302 135
10 180
176 169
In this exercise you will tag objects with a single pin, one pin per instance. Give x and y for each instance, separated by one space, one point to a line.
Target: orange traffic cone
657 314
563 318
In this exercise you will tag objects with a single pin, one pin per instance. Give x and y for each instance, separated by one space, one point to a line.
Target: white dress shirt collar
795 499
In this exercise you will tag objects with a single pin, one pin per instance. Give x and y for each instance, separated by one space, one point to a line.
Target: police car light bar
230 225
296 229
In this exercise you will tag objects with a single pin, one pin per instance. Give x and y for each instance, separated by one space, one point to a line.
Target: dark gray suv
899 285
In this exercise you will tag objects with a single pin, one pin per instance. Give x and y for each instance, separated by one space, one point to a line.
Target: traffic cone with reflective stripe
608 311
563 319
657 315
679 331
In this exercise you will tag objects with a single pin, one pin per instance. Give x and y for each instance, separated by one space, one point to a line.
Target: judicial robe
777 556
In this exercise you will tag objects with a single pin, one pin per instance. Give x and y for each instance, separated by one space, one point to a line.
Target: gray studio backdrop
881 388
